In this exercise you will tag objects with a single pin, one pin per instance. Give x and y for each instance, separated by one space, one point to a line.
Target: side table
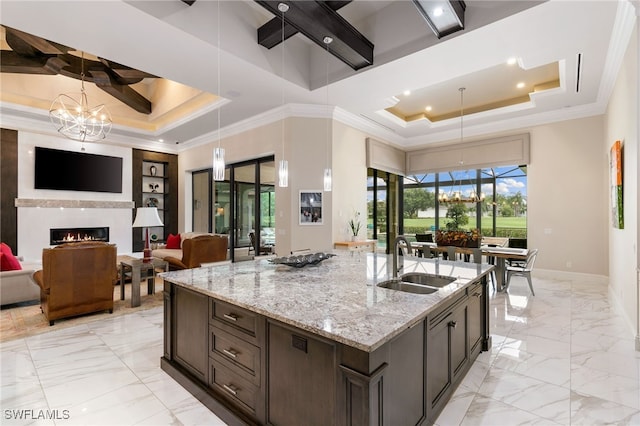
139 270
369 245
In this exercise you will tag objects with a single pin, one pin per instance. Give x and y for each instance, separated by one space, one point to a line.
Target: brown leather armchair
76 279
199 250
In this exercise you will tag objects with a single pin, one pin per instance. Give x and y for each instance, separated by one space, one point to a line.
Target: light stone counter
337 299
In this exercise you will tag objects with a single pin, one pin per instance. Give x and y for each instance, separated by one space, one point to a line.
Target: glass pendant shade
283 174
327 180
75 120
218 164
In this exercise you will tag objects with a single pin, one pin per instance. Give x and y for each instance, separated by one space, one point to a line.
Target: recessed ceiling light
407 92
438 11
160 140
512 61
520 85
428 108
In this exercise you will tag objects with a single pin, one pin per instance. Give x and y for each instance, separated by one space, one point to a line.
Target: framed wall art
310 210
616 182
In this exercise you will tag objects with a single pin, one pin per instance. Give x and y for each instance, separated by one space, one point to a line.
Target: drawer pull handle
230 389
231 317
477 294
230 352
453 324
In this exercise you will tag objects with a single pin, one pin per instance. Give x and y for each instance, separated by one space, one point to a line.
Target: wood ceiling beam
35 55
316 20
30 45
270 34
122 92
12 62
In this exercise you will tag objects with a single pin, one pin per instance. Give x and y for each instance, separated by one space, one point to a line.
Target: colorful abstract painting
615 170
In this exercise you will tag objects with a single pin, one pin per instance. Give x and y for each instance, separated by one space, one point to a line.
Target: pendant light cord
218 59
327 41
282 10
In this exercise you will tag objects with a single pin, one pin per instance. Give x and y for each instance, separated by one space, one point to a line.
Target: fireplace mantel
73 204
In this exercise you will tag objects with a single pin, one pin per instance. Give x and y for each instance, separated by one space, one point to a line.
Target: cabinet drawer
234 387
237 317
237 354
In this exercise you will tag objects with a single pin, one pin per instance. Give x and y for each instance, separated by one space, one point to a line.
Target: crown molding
622 30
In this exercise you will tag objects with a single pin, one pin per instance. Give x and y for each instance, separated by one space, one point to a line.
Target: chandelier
76 120
456 194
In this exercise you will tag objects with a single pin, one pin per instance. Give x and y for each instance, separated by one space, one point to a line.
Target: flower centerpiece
355 225
458 238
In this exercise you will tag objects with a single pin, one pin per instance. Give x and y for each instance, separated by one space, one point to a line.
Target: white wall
349 179
567 196
621 123
34 223
305 147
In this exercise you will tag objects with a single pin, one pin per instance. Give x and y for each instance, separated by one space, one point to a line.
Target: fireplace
67 235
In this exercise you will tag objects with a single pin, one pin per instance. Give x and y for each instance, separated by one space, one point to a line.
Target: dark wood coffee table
139 270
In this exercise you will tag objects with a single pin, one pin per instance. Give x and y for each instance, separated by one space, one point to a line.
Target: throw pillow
8 262
173 241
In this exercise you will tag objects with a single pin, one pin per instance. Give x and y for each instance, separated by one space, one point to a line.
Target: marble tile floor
563 357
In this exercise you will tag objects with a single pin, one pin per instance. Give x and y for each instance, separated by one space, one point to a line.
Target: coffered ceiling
566 55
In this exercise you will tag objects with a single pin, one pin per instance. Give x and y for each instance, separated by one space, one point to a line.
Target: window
502 213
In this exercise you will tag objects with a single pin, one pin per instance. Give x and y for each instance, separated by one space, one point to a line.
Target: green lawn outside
501 222
512 227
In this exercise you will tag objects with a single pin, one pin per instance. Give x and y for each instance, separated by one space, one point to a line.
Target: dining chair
451 253
477 258
523 271
424 251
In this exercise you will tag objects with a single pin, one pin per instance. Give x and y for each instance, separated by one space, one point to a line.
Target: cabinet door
459 341
302 378
476 322
190 331
438 362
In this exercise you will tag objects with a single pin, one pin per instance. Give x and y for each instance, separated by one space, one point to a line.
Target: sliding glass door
243 203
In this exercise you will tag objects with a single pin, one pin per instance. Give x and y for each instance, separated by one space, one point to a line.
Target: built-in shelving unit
155 184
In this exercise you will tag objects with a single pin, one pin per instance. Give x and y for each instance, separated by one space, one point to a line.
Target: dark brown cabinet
447 353
236 357
302 378
191 329
250 369
476 316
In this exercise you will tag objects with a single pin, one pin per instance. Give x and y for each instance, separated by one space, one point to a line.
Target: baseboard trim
571 276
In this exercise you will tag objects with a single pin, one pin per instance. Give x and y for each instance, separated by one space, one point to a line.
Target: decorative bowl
301 260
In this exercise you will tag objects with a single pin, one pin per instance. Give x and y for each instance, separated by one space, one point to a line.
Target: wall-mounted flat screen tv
77 171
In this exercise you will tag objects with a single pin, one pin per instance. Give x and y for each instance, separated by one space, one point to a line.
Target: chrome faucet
396 247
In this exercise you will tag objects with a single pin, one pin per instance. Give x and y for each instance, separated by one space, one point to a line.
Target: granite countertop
337 299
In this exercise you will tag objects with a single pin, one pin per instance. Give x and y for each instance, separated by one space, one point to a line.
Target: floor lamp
145 218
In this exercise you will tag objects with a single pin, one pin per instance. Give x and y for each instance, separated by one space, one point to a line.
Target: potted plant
458 238
355 225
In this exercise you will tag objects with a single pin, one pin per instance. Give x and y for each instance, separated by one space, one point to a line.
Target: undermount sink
407 287
427 279
416 282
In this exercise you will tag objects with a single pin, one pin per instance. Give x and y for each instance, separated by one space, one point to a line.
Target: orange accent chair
76 279
199 250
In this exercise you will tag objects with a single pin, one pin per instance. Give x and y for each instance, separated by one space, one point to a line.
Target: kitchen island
260 343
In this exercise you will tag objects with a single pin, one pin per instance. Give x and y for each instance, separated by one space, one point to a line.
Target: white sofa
18 286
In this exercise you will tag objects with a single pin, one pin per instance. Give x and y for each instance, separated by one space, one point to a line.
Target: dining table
500 254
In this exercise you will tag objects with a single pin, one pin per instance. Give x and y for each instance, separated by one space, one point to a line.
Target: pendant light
218 152
456 195
76 120
327 171
283 169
